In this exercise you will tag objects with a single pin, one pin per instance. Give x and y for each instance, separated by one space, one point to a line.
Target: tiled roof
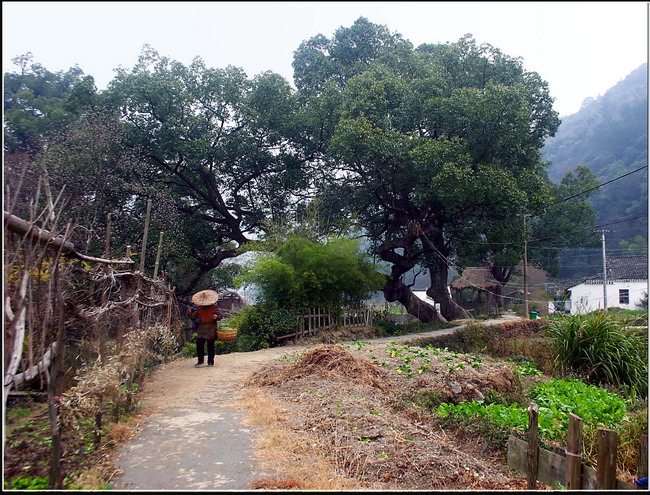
558 286
475 276
624 268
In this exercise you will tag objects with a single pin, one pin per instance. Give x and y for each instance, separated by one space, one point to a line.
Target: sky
580 48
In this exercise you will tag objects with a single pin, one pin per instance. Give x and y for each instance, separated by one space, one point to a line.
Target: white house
627 285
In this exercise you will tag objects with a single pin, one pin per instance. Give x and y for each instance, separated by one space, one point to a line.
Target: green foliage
217 145
527 368
556 400
29 483
593 404
259 325
189 349
36 483
439 146
558 223
386 326
304 273
602 349
513 415
38 104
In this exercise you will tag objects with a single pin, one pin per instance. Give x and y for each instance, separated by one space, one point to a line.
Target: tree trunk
396 290
439 291
55 387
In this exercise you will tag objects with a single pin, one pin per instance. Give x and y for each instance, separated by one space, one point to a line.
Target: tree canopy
217 143
433 152
434 149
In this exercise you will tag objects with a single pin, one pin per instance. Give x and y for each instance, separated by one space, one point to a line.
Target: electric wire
593 188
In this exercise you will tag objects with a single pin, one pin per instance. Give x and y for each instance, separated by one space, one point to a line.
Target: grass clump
603 350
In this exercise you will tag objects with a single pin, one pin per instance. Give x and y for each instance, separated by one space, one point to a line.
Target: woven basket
226 334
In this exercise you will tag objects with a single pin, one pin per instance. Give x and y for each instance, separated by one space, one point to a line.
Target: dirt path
192 436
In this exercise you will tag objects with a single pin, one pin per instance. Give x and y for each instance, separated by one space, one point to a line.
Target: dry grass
294 454
124 431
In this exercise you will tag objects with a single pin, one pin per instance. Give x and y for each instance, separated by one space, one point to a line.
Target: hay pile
329 362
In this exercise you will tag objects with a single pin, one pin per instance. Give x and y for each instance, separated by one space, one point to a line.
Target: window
624 296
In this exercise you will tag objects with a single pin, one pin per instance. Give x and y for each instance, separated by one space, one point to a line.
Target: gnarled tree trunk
439 292
395 289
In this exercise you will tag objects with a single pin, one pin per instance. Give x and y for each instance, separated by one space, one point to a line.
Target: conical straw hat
205 298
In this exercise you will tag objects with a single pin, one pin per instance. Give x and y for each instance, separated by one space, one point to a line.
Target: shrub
386 326
259 325
303 273
189 349
603 350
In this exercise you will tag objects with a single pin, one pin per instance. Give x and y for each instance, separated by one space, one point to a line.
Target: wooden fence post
533 446
606 469
574 453
642 470
157 264
145 234
107 241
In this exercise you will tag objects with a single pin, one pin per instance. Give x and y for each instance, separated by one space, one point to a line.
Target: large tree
218 144
433 149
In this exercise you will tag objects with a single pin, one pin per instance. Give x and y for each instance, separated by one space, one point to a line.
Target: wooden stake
574 453
157 264
144 236
642 470
107 241
533 446
606 469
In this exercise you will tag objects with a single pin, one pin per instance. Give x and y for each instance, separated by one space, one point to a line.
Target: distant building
230 302
477 289
627 284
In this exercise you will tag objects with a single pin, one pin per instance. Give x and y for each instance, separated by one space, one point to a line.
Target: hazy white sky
581 48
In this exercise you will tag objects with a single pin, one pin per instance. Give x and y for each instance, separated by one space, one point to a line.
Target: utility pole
526 313
604 274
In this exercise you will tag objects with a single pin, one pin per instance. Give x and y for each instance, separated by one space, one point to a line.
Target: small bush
473 337
189 349
428 400
386 327
259 326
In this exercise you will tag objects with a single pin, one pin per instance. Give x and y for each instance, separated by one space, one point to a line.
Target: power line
594 188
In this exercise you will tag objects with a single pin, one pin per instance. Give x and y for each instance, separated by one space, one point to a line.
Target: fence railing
320 319
568 470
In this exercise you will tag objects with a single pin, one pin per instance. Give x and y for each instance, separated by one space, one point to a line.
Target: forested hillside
609 135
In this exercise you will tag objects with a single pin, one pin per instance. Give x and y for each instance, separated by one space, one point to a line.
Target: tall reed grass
602 349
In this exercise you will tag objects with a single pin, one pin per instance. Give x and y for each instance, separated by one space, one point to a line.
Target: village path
192 436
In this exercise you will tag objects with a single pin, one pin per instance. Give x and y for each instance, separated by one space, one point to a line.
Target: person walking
207 313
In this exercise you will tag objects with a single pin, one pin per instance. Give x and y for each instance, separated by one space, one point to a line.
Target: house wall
589 297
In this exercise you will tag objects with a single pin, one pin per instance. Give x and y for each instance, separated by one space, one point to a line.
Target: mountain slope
609 135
